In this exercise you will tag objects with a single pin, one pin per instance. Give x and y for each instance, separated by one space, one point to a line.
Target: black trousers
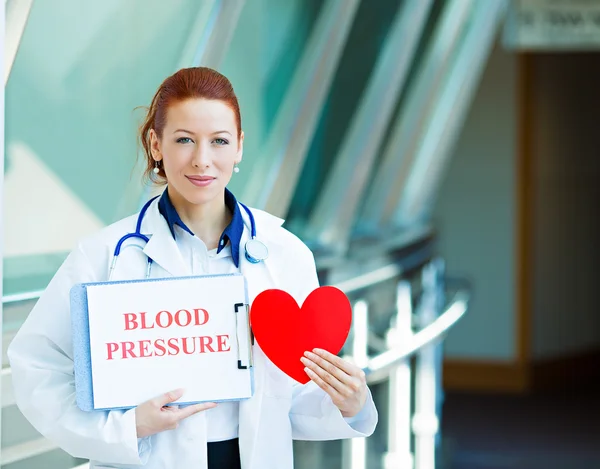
224 455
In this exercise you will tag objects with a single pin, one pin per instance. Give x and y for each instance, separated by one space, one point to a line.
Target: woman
193 141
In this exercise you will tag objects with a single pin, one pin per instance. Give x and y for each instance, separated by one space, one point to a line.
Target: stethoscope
255 250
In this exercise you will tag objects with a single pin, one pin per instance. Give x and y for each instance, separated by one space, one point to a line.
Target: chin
201 196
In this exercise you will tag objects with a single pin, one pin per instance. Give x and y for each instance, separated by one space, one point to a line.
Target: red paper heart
284 331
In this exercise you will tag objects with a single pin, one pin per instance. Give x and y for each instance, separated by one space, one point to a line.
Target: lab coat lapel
162 248
259 277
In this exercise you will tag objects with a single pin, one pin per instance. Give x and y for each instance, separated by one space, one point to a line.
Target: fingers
346 373
167 397
329 372
190 410
324 385
340 363
325 370
326 380
347 367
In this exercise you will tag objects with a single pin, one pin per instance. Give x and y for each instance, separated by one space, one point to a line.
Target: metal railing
434 316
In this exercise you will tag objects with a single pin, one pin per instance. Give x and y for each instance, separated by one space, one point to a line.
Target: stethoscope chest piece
256 251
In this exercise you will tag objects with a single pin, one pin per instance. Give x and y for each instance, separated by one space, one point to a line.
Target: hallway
545 431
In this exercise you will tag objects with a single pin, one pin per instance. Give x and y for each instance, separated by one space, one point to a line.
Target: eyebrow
214 133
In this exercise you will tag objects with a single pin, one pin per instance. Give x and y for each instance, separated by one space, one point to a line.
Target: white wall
476 210
476 216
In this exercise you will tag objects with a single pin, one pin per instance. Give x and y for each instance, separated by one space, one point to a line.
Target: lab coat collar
231 234
162 247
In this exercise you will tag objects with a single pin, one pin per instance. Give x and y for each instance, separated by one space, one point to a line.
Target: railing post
425 420
355 449
439 353
399 432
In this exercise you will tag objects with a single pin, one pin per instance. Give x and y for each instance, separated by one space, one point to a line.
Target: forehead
200 115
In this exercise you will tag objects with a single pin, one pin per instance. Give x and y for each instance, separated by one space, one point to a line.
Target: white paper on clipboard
152 336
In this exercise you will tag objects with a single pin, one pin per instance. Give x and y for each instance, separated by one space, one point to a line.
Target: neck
207 221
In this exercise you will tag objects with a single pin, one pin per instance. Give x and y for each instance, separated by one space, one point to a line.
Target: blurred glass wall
345 108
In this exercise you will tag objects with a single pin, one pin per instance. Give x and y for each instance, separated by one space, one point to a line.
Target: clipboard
126 333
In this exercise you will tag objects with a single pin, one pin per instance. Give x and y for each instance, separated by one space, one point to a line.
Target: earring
156 169
236 168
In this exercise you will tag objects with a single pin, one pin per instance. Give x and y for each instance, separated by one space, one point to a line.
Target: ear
238 158
155 146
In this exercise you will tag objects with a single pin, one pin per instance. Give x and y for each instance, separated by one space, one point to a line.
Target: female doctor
192 140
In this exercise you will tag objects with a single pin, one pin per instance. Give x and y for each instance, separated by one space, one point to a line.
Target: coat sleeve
313 414
41 359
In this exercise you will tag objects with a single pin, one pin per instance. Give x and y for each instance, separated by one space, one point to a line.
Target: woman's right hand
155 416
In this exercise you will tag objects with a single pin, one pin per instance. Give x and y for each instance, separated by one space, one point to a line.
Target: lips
201 181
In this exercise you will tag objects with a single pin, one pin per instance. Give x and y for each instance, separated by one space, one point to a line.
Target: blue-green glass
285 42
365 41
411 82
264 54
81 70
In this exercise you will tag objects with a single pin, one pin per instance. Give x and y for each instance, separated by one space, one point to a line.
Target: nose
201 157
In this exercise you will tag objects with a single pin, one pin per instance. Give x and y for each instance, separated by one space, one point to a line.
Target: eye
220 141
184 140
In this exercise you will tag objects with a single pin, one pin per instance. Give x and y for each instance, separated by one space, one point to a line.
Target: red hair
187 83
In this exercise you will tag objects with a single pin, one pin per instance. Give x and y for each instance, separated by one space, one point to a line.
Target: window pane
291 24
433 19
81 70
372 23
267 45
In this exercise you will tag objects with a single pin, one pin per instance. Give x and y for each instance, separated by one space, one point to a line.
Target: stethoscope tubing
138 235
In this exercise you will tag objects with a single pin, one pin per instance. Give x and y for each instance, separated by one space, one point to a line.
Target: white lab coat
41 358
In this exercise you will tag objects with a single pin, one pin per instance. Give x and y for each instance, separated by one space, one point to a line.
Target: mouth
201 181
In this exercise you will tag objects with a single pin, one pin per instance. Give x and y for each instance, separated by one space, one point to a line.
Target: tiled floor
549 431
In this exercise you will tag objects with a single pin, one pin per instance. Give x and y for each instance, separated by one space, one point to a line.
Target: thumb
168 397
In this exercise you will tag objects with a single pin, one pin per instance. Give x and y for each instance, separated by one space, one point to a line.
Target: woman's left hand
343 381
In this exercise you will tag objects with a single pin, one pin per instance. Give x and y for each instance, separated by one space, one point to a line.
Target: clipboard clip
244 307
